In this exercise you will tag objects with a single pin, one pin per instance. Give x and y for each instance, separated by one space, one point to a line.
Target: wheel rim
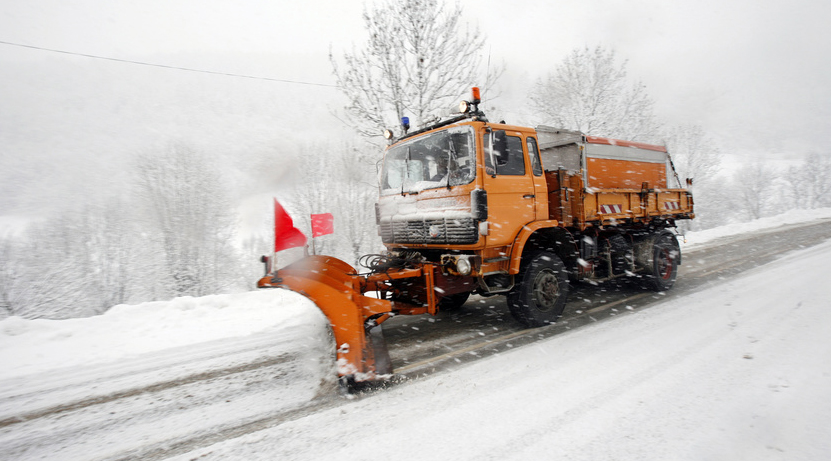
664 264
546 290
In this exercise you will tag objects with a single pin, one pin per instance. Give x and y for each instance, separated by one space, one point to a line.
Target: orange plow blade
337 290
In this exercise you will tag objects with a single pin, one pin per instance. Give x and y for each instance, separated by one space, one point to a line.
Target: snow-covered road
741 370
737 369
177 372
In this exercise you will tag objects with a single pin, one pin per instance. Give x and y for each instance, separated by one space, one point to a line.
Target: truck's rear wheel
665 257
540 296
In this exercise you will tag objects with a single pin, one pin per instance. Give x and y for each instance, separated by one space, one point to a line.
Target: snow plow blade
336 288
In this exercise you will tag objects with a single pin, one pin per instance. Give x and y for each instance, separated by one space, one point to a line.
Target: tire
452 302
665 260
540 296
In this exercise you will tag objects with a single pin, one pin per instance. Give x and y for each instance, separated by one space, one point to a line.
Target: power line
227 74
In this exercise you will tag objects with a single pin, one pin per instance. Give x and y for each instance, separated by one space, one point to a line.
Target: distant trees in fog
809 185
171 237
760 190
339 179
190 218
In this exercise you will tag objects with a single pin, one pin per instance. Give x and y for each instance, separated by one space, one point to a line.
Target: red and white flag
322 224
285 234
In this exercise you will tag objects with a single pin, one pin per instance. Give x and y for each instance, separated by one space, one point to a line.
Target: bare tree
419 60
589 91
755 184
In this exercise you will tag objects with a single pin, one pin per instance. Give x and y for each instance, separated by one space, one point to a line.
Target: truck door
509 184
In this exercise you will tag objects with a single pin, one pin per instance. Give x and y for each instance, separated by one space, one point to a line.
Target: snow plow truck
470 206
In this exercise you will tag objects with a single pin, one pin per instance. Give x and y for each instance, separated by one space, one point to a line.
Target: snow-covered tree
8 276
809 184
419 60
355 199
189 216
349 193
590 91
55 270
171 238
755 185
311 193
114 253
696 156
694 153
818 172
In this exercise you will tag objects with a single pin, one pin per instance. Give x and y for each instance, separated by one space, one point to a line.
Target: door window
506 154
534 156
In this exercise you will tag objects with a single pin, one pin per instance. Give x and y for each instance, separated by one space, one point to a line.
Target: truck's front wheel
540 296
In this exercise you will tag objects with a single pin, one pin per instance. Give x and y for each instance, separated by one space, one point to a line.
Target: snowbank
694 239
32 346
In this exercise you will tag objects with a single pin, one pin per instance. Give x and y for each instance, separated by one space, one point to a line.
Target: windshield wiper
451 159
406 170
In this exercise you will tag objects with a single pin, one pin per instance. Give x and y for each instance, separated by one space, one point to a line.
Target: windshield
441 159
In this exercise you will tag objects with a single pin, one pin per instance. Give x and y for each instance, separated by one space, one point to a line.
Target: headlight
464 106
387 134
463 266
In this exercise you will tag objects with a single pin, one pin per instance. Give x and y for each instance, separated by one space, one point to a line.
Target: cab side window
507 154
534 156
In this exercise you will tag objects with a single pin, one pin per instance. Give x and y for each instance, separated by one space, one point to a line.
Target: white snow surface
740 370
34 346
791 217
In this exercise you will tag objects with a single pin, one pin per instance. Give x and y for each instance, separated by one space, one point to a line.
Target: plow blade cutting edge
336 288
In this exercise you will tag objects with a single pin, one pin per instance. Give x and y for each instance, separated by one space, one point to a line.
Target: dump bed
598 181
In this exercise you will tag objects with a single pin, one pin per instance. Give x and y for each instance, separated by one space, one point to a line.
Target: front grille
446 230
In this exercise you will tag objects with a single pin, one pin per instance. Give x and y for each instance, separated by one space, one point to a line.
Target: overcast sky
754 73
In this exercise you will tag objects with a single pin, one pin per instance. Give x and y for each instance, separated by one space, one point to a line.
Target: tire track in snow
79 404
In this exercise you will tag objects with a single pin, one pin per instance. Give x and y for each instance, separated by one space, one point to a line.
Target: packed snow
740 370
792 217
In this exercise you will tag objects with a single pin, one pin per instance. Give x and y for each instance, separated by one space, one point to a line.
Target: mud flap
375 337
